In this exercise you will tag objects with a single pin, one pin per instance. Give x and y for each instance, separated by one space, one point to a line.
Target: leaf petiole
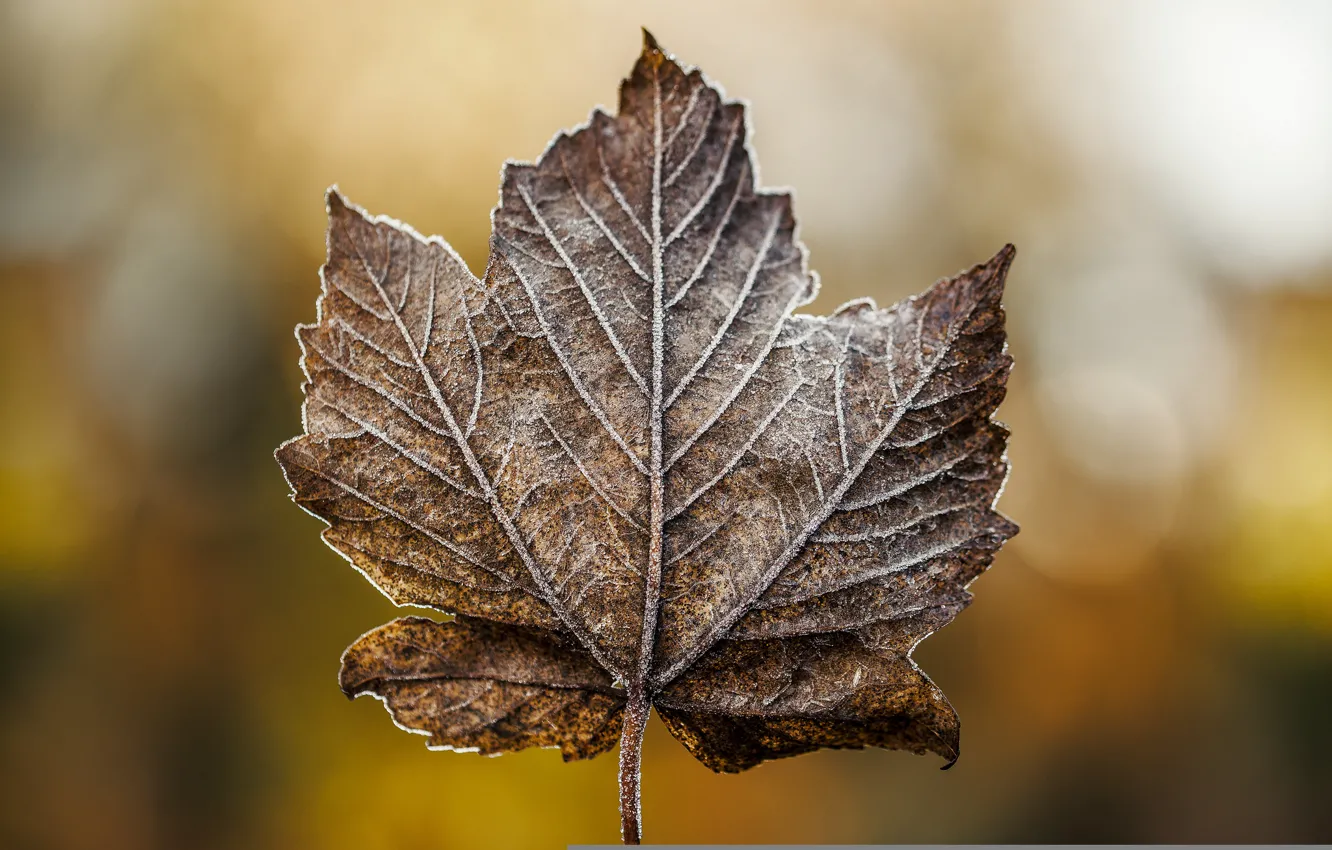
636 713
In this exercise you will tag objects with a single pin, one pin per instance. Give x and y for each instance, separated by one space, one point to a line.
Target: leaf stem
636 713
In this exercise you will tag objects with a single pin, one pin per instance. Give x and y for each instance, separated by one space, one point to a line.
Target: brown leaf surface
474 685
635 473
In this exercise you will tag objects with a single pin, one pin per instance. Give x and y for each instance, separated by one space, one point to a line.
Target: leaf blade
473 685
967 304
621 449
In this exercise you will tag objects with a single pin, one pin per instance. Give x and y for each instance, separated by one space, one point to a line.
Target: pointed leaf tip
1000 263
333 200
652 51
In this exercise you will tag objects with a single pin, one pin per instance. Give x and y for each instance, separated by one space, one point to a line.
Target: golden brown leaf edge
634 475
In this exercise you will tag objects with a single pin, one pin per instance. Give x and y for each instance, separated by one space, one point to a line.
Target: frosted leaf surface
634 471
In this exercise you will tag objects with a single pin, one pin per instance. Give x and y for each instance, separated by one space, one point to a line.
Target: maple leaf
634 474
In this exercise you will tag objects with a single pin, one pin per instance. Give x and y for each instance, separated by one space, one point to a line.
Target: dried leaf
634 473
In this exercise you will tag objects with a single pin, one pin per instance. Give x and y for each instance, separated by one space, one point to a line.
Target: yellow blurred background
1149 660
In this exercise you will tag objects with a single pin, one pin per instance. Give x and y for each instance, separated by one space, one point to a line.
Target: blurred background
1149 660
